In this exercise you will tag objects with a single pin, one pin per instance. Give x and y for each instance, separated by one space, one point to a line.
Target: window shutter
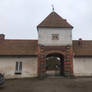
20 67
16 66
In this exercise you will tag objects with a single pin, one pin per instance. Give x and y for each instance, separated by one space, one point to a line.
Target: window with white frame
18 68
55 36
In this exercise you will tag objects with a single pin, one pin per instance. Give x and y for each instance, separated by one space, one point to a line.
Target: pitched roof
30 47
54 20
18 47
82 47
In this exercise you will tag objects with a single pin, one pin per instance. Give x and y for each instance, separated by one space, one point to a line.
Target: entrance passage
55 64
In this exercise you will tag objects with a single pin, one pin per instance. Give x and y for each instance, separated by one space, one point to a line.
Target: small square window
55 36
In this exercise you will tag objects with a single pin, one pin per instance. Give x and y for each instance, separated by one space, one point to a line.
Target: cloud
19 18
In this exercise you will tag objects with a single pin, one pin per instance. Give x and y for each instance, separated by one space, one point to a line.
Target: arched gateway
55 64
55 46
59 58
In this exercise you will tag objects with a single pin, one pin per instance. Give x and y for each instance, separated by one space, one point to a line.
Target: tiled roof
30 47
18 47
54 20
82 47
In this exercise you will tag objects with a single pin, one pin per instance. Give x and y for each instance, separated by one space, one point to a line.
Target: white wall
29 68
45 36
82 66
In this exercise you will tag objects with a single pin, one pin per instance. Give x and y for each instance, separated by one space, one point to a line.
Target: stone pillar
42 63
68 62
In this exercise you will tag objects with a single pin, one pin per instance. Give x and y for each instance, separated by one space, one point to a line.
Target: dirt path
48 85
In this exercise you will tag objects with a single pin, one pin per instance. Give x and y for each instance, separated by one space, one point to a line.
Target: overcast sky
19 18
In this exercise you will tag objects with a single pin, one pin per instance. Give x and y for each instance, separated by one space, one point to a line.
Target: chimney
80 41
2 36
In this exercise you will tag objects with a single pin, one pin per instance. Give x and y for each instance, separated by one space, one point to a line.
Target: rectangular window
55 36
18 68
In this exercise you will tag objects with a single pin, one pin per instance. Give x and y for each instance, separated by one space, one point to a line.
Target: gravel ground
48 85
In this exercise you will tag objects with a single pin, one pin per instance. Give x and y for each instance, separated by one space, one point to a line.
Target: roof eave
53 27
83 56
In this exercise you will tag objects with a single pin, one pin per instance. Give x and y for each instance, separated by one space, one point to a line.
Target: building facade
55 39
54 53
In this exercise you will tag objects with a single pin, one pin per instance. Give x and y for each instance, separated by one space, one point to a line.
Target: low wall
29 66
82 66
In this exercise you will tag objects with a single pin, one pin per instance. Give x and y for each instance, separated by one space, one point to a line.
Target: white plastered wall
82 66
29 68
45 36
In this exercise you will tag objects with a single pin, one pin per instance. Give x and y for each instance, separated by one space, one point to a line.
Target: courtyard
48 85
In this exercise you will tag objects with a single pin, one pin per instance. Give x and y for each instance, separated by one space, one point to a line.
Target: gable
53 20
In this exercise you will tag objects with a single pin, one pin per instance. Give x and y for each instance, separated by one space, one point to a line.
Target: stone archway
55 64
65 51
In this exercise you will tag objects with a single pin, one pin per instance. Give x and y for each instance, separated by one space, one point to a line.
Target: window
55 36
18 68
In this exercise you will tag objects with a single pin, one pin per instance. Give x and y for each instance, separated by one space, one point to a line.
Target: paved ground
48 85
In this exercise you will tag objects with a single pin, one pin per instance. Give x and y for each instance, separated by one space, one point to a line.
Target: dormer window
55 36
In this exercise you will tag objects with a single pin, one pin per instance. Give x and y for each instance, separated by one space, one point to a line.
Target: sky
19 18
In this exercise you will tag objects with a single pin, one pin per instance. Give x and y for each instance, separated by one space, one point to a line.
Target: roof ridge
20 40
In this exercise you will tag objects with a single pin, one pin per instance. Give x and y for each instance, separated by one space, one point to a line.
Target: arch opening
55 64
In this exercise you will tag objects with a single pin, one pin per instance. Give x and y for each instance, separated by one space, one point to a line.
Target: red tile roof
82 47
54 20
18 47
30 47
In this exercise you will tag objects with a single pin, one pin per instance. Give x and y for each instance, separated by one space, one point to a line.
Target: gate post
68 62
42 63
